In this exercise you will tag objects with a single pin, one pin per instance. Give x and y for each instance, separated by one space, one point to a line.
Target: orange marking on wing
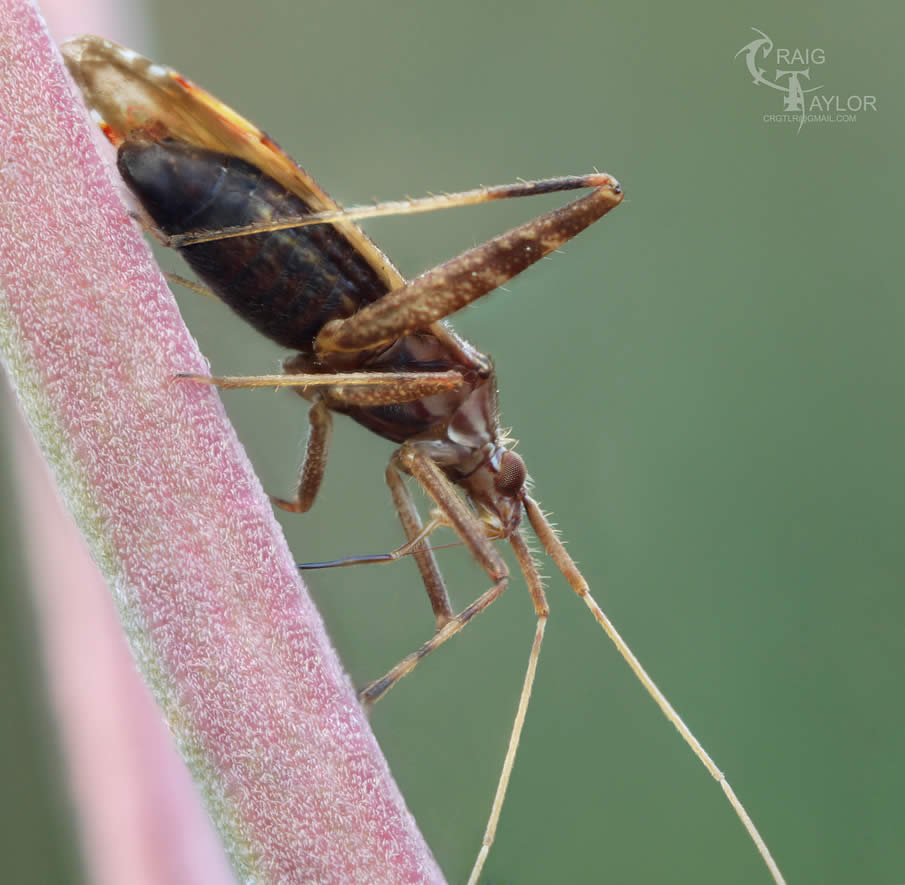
118 85
111 134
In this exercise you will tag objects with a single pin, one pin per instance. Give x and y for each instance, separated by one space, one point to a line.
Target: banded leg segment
471 531
450 286
411 206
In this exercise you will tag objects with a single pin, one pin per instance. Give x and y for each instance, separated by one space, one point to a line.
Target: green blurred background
707 387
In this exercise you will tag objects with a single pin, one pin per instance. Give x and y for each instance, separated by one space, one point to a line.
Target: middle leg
314 464
360 389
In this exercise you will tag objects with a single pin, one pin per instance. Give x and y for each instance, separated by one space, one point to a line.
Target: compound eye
511 478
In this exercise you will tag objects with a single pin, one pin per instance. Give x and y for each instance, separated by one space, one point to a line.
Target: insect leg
377 388
547 536
314 464
450 286
349 389
416 537
471 531
410 206
189 284
427 563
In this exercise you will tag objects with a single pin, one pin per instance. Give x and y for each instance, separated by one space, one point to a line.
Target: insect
267 240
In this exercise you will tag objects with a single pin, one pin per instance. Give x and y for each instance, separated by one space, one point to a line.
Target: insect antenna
548 537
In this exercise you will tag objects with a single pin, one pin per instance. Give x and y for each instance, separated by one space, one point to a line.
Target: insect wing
131 93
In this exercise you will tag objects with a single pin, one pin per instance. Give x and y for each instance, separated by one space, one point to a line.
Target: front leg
450 286
424 556
455 513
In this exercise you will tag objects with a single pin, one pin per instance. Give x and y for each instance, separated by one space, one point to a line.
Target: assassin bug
267 240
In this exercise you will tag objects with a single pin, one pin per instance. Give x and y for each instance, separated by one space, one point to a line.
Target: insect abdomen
286 283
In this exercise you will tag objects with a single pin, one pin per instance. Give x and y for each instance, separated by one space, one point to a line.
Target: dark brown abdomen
286 283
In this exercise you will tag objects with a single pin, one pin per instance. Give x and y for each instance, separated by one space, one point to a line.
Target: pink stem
232 648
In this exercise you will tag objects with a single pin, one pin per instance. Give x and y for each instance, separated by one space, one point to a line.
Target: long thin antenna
566 565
